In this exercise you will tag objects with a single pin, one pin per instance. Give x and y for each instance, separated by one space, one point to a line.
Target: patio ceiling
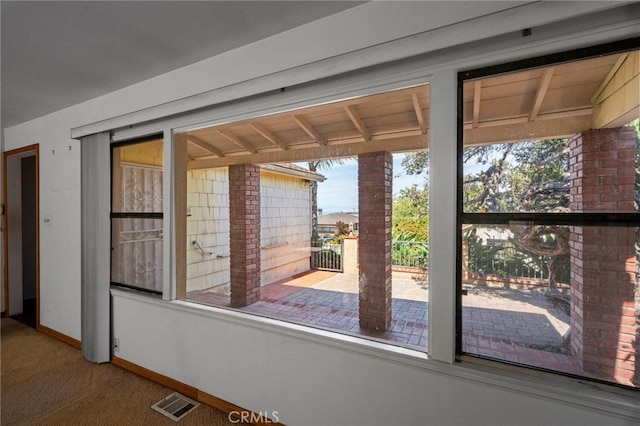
556 101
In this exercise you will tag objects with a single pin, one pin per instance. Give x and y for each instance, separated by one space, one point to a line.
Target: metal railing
506 261
327 256
410 254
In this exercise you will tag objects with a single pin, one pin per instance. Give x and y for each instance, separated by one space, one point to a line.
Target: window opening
136 214
548 213
293 212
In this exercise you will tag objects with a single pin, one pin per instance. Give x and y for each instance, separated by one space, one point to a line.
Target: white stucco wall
321 378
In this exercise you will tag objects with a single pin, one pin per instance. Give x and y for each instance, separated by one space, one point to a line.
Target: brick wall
244 213
375 177
604 336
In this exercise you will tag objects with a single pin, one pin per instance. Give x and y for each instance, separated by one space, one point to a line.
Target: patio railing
410 254
506 261
327 256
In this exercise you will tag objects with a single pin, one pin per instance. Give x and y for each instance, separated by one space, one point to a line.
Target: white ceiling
57 54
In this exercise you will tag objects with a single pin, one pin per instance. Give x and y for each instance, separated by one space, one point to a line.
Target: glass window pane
555 139
136 258
562 298
536 139
337 240
309 276
137 178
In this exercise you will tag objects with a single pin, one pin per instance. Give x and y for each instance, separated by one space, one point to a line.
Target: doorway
21 236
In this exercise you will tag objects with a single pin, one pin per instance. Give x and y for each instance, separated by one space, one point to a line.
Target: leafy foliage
341 228
411 215
416 163
524 176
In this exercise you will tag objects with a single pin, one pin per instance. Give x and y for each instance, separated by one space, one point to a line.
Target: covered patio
512 325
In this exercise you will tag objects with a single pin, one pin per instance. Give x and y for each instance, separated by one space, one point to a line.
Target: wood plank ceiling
545 102
385 116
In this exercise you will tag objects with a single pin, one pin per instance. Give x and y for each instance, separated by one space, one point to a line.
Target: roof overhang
539 103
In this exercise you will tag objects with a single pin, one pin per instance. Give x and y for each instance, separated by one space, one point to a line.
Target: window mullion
168 209
442 219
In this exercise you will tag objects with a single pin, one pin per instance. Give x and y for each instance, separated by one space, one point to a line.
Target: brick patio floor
513 325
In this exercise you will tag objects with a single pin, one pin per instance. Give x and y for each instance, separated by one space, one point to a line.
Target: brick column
244 218
374 184
604 337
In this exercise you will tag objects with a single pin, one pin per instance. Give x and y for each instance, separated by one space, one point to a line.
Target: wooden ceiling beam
357 121
422 119
268 135
523 119
308 128
315 152
204 145
238 141
526 130
541 92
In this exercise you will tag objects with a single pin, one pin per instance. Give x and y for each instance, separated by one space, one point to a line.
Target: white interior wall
59 175
266 369
308 379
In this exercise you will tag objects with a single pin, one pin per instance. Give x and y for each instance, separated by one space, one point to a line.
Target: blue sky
339 192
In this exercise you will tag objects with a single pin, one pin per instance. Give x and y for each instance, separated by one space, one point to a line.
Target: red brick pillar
244 218
374 184
603 260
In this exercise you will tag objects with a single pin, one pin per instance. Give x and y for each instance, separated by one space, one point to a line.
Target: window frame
601 219
305 154
130 215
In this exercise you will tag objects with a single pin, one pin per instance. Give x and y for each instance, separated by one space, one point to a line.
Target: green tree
530 176
410 210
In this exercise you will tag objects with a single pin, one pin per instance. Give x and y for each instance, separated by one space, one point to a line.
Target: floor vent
175 406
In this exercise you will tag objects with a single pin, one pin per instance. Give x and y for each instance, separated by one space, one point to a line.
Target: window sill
619 403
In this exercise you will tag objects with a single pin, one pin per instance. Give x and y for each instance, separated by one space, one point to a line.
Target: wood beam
204 145
541 92
402 144
304 124
238 141
617 100
420 115
477 93
526 130
357 121
268 135
524 119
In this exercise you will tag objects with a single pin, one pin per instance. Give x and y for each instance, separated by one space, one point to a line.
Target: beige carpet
47 382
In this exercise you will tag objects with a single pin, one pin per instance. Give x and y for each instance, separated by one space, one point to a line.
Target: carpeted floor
47 382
